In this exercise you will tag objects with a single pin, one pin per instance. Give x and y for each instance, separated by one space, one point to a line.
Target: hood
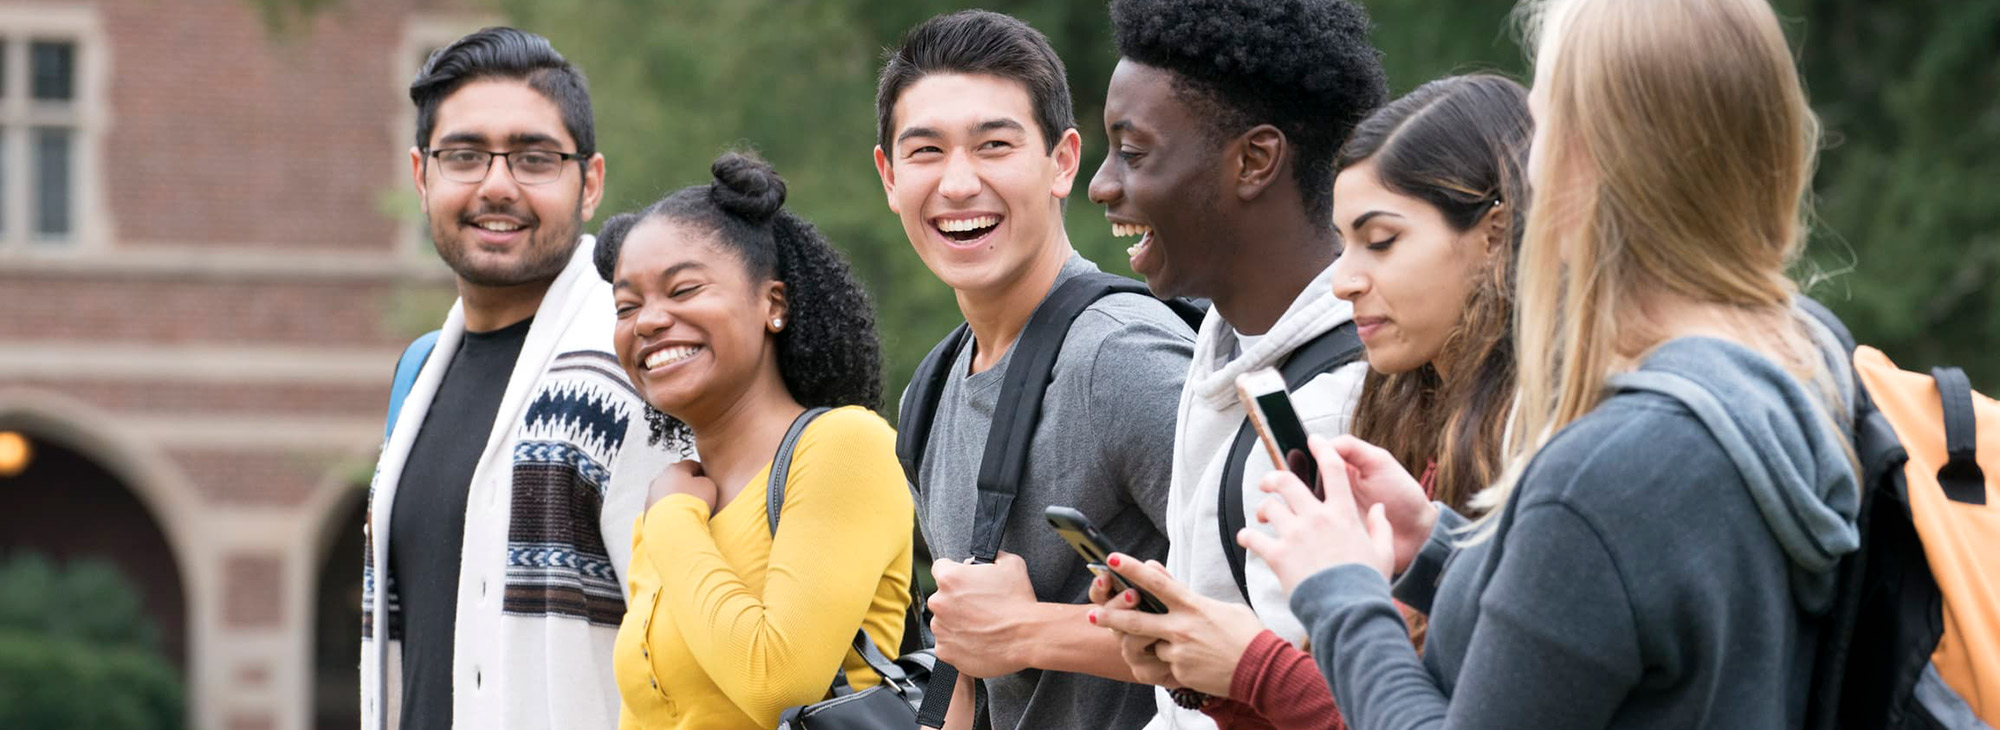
1313 312
1795 462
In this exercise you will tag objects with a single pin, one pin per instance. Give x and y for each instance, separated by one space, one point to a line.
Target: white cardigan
540 593
1210 415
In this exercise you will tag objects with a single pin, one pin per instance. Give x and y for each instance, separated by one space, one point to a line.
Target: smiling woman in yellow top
734 317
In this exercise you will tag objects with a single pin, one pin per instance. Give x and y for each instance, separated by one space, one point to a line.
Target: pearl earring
778 324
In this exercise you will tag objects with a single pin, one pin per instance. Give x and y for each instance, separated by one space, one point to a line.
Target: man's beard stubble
548 251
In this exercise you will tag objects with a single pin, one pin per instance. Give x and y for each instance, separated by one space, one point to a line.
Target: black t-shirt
427 525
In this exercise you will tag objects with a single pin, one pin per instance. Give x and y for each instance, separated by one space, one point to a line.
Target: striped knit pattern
557 563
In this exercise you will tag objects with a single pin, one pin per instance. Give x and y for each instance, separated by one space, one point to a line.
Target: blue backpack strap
407 368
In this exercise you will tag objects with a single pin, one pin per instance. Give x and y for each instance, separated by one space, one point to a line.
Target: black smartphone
1270 409
1084 538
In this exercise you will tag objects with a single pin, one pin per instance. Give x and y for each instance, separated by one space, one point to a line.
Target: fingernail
1113 560
1093 615
1131 597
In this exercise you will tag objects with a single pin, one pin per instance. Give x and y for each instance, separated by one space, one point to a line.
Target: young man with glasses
501 511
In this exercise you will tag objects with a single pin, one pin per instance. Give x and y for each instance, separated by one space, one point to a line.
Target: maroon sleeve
1229 714
1277 686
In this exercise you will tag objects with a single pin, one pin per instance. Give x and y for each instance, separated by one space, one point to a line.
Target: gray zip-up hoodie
1661 565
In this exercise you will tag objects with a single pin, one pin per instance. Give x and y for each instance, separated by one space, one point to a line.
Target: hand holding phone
1270 410
1084 538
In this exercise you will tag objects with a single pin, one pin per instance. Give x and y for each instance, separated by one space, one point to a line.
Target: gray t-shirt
1104 446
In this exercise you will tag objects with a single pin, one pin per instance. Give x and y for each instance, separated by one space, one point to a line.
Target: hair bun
747 187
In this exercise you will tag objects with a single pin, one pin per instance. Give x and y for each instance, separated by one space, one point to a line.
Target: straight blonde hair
1674 153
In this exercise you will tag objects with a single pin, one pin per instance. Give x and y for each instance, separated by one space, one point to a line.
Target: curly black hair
1303 66
829 353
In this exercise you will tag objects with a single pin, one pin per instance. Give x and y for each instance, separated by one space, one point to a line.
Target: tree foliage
76 651
1907 238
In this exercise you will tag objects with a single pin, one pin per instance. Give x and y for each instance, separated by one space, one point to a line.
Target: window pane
54 69
53 153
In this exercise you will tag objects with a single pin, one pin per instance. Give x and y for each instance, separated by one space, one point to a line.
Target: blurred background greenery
77 652
1907 232
1907 243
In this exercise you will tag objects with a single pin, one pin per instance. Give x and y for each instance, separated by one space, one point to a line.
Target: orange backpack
1914 639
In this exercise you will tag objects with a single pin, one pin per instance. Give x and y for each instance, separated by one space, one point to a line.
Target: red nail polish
1113 560
1131 597
1093 615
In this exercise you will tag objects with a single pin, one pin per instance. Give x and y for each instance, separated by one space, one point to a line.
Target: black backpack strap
1004 462
913 422
1961 477
1323 354
1191 311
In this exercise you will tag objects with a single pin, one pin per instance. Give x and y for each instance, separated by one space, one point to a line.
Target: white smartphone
1270 410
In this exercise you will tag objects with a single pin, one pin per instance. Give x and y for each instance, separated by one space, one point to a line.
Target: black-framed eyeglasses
529 167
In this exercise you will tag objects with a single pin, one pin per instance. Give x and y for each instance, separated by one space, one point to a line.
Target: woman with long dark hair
1424 200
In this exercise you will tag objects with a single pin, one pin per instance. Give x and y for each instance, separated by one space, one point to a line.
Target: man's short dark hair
978 42
505 53
1303 66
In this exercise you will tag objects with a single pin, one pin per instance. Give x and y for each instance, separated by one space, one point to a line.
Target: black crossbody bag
891 704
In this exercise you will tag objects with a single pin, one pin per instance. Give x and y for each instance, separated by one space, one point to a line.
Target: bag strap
1962 479
774 490
913 423
1022 388
1003 464
1330 351
408 366
781 466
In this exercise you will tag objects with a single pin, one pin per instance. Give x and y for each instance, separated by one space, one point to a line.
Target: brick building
209 259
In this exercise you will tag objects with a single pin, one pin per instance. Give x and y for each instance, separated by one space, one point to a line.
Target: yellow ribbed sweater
725 627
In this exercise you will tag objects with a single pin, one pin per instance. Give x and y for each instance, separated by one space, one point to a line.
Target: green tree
76 651
1909 186
1906 243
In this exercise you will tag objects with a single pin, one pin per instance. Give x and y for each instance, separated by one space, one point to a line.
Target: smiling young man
977 152
1222 142
501 511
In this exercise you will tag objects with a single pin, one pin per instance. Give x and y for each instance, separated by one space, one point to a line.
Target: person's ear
417 176
775 307
1498 224
888 174
593 185
1258 158
1069 158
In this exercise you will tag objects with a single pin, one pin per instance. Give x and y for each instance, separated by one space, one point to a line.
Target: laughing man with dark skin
1223 119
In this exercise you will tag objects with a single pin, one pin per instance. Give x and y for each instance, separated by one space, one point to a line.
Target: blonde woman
1679 484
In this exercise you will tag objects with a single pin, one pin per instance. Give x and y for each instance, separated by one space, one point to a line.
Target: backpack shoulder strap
1030 368
781 466
408 366
1191 311
1004 462
913 422
1323 354
1960 476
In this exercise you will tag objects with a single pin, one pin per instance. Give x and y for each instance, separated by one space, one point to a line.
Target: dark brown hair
1458 144
978 42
